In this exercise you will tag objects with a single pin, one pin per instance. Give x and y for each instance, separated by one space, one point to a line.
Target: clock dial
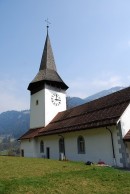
56 100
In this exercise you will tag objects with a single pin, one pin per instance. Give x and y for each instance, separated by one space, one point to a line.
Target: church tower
47 89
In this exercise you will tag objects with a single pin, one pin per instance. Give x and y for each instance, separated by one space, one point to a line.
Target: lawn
42 176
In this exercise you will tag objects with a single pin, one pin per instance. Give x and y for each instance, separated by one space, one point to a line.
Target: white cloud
82 87
108 82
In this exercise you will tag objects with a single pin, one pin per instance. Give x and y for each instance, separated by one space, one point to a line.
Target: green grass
42 176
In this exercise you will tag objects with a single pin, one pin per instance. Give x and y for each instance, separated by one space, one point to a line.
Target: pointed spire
47 61
47 71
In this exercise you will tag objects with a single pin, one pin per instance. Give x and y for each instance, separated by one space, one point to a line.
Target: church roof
102 112
47 71
30 134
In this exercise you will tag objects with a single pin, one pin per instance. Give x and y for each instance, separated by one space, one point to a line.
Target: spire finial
47 22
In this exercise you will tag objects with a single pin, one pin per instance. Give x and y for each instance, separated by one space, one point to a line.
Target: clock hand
57 99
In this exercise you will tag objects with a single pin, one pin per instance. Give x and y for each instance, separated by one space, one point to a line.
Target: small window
81 145
37 102
61 145
41 146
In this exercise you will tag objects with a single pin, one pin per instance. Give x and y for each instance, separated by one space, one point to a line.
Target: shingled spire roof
47 61
47 71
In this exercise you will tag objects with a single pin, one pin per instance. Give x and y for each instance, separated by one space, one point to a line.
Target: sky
90 41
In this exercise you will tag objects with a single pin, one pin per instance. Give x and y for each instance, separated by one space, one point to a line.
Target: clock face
56 100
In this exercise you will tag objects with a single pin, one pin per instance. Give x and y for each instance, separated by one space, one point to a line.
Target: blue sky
90 41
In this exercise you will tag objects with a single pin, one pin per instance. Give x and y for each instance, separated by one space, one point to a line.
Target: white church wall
50 142
98 146
53 144
29 147
125 121
37 109
51 109
42 110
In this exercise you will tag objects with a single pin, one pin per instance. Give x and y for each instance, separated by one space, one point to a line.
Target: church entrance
48 153
61 149
22 153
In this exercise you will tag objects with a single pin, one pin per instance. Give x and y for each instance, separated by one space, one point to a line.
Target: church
95 131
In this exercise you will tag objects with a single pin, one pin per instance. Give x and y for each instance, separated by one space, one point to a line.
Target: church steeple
47 61
47 71
48 91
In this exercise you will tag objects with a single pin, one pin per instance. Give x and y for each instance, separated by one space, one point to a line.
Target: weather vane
47 22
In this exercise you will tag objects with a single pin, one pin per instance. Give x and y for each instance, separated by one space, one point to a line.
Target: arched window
81 145
61 146
41 146
37 102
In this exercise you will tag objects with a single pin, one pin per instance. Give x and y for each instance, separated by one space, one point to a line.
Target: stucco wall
29 147
98 146
43 112
50 109
37 111
50 142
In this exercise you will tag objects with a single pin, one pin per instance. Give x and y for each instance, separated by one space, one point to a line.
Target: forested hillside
14 123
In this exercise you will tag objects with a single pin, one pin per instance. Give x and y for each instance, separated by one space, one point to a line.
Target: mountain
15 123
75 101
103 93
